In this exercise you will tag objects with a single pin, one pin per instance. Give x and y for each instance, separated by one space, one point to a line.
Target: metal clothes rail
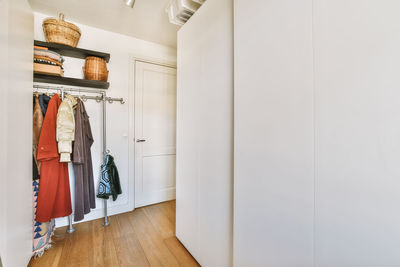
62 89
102 98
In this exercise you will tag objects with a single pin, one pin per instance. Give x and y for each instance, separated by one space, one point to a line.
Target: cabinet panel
205 134
358 133
274 134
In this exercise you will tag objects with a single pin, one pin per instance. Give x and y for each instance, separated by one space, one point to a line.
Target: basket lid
61 21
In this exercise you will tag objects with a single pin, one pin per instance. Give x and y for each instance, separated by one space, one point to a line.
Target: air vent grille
180 11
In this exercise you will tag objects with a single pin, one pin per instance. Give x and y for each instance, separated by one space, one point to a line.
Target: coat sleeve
65 131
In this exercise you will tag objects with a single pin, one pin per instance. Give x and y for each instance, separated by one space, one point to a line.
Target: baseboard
169 194
95 214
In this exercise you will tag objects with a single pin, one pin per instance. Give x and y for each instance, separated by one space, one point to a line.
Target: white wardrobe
205 134
16 35
314 103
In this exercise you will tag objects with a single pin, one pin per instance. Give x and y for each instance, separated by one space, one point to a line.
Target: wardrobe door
358 133
16 41
274 155
204 134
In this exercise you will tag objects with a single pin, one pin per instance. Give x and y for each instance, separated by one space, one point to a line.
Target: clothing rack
102 98
62 89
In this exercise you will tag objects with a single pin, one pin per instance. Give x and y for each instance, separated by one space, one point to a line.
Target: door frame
131 116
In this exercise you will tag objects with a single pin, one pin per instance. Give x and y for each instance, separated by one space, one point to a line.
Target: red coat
54 199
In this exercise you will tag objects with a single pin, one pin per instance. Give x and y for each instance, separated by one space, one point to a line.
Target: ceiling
147 20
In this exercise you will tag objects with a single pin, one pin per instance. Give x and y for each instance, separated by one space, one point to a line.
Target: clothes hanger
79 96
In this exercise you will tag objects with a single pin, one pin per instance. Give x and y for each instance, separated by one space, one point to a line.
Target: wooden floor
144 237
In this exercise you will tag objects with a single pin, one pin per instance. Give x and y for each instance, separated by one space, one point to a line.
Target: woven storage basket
61 32
95 69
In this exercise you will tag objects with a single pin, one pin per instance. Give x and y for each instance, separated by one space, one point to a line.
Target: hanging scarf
42 232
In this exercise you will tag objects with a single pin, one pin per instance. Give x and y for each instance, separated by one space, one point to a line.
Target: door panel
274 134
16 31
155 132
204 201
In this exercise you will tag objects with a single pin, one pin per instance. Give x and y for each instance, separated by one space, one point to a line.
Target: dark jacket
44 102
109 180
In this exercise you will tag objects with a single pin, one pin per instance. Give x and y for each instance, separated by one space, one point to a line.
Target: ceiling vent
180 11
130 3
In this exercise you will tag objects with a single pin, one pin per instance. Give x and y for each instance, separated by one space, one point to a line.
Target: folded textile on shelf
46 60
40 47
48 69
49 54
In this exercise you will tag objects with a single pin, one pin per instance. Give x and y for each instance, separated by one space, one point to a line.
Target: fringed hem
40 251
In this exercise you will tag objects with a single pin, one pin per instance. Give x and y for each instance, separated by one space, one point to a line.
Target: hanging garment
44 102
66 128
35 170
109 180
42 232
82 161
54 199
37 126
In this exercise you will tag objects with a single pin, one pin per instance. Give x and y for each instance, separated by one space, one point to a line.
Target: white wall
357 133
119 133
16 34
204 134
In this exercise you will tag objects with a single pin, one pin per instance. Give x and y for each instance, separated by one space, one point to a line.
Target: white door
155 133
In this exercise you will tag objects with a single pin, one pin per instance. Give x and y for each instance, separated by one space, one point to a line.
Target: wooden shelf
69 51
41 78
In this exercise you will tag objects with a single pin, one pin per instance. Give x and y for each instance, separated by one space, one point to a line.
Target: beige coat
66 128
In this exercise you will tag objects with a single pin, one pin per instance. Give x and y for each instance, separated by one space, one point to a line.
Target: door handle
140 140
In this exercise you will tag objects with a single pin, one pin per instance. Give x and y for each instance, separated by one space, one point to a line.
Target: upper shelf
72 51
42 78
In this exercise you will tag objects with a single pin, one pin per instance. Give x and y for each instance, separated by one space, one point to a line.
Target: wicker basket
95 69
61 32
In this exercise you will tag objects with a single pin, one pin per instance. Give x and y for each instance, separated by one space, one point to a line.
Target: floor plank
79 247
168 208
142 238
180 252
151 241
160 220
96 243
109 250
130 252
